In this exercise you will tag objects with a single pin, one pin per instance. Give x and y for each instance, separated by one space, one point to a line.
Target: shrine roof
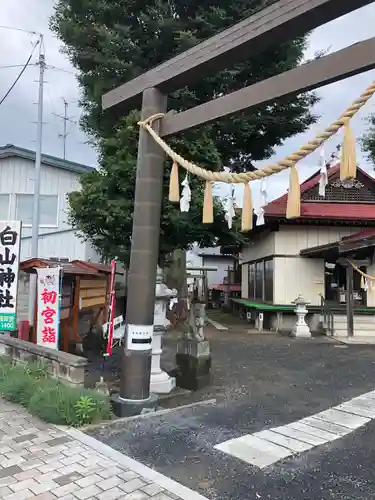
30 266
94 267
323 208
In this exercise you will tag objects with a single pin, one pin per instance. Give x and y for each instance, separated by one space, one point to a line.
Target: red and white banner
111 310
48 307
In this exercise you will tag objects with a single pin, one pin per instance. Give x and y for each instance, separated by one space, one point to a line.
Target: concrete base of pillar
301 332
162 383
129 408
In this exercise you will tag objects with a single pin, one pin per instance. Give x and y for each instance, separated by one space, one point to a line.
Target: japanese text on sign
48 307
10 237
139 337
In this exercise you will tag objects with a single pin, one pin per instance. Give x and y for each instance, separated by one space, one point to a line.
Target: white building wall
17 177
259 248
245 281
298 275
294 274
290 240
64 244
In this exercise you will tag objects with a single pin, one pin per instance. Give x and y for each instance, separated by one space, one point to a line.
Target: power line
20 74
20 29
60 69
16 66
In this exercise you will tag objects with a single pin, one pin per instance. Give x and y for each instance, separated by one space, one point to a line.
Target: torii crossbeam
278 23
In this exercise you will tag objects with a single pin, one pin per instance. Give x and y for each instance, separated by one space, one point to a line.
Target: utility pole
38 158
65 119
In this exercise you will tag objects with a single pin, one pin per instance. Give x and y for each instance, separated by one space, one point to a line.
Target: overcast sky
18 113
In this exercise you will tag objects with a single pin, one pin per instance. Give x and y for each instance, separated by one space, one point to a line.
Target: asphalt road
260 382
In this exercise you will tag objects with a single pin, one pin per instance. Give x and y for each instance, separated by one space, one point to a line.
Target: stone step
357 326
359 319
357 333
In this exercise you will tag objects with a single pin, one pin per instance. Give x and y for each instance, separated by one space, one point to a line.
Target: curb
123 420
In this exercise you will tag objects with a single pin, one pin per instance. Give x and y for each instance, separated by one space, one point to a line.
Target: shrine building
316 255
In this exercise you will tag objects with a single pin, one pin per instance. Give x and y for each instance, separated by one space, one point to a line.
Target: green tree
368 140
103 209
112 41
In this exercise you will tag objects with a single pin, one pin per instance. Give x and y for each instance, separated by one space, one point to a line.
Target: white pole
38 157
65 129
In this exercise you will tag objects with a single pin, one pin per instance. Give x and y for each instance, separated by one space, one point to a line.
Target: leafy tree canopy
112 41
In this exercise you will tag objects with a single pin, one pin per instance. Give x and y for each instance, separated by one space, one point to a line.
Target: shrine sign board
48 307
10 239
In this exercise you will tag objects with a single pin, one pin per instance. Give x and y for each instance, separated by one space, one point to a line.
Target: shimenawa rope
348 165
287 162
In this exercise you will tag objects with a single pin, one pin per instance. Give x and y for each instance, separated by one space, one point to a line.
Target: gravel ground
260 381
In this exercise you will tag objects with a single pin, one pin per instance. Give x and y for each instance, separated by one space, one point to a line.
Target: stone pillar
193 357
301 329
161 382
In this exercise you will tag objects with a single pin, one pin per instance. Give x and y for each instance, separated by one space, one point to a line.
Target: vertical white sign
48 307
10 238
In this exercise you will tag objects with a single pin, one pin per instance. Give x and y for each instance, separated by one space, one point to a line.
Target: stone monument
161 382
301 329
193 356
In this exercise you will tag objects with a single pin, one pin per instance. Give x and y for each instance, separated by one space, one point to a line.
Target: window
259 276
261 280
251 281
268 280
4 206
48 207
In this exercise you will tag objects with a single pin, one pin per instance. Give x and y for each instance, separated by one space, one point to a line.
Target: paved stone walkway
45 462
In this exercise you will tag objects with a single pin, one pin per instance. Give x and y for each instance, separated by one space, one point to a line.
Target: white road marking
287 442
319 434
289 431
357 410
319 423
267 447
254 450
345 419
217 325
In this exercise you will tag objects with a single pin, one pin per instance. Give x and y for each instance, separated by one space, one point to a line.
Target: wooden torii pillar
278 23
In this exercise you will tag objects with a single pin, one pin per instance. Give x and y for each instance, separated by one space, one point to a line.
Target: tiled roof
324 209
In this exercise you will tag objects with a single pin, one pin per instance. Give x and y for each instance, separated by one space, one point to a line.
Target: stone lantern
161 382
301 329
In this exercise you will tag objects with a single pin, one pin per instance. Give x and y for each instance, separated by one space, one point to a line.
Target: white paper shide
10 237
48 307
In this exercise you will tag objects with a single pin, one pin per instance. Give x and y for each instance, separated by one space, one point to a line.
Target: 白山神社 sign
48 306
10 239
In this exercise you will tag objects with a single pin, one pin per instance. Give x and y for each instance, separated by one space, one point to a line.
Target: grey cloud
19 111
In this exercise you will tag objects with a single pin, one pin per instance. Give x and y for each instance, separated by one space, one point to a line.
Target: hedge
48 399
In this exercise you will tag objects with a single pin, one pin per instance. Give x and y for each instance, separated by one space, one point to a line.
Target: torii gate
278 23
